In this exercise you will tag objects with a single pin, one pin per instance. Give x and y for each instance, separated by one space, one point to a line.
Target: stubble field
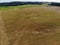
32 25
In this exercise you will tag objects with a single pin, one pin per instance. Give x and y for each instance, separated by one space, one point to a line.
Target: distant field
12 7
34 25
21 6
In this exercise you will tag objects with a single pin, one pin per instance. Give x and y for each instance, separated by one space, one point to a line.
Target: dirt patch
44 27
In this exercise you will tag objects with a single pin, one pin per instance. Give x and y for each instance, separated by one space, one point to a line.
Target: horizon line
26 1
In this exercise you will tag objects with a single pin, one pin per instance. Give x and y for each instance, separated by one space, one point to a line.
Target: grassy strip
22 6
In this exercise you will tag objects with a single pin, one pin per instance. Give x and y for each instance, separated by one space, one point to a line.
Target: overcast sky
30 0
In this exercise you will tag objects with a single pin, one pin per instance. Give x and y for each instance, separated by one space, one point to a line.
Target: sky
30 0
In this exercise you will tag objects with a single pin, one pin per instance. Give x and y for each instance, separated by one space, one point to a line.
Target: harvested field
31 26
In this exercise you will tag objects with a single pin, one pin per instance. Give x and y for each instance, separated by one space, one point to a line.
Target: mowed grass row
30 20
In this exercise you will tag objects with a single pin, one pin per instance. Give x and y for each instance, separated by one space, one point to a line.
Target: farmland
31 25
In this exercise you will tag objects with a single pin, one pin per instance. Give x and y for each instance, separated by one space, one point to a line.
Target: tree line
19 3
26 3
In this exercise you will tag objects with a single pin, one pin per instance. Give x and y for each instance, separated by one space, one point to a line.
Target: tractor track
3 36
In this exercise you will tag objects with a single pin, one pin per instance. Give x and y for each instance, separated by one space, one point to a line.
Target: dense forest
26 3
54 4
19 3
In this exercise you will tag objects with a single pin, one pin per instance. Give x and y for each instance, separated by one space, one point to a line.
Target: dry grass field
36 25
